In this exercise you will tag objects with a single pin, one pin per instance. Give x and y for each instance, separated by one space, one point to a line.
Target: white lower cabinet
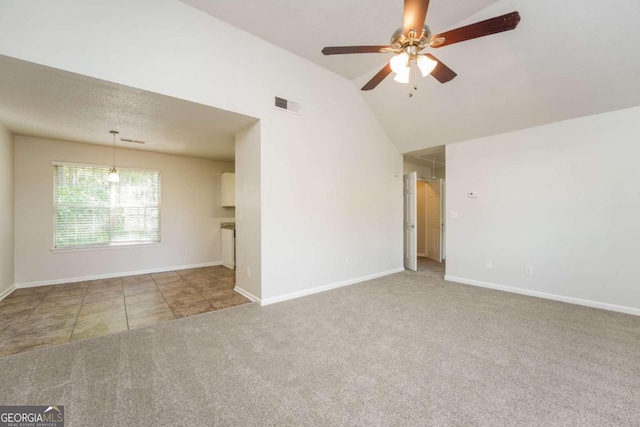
228 248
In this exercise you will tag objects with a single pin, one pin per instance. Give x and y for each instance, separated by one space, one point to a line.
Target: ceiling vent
285 104
135 141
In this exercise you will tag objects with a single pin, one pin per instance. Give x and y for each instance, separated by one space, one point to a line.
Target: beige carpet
408 349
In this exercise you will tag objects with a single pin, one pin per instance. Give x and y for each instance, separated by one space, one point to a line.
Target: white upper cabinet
228 190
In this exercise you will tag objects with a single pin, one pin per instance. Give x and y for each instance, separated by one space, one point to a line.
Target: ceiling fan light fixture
403 76
426 65
400 63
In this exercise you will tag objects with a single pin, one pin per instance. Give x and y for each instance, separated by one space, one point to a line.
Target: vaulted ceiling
566 59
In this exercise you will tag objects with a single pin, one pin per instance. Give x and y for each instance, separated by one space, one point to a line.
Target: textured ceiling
305 27
45 102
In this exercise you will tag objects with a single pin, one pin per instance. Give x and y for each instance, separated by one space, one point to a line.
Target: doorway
424 195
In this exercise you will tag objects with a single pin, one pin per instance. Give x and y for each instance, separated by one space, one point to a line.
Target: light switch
472 194
453 214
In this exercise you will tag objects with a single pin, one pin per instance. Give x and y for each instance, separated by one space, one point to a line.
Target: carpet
406 349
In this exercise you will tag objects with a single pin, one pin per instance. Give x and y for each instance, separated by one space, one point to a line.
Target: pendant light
113 173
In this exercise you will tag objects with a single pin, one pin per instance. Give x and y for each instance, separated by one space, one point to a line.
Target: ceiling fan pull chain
413 84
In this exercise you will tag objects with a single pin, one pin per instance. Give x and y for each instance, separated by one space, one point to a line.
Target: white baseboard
545 295
328 287
112 275
247 294
7 291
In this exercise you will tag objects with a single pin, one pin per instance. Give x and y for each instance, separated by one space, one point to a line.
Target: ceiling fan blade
479 29
341 50
415 13
442 73
375 81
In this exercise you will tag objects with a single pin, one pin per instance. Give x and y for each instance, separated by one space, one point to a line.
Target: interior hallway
429 267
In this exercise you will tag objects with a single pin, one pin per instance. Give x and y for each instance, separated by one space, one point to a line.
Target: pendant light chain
113 173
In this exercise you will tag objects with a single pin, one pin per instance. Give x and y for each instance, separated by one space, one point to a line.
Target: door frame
443 218
409 213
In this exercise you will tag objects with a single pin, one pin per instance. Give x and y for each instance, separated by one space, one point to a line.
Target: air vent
285 104
135 141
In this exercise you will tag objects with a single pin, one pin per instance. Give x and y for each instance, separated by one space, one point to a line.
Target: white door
410 214
434 220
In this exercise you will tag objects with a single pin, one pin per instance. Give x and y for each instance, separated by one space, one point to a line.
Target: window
91 211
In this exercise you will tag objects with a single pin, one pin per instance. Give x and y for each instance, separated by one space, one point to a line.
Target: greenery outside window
91 211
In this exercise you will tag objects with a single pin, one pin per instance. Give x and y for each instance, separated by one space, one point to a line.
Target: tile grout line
84 296
163 297
13 334
189 283
124 302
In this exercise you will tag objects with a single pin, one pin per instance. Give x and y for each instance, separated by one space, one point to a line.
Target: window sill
105 247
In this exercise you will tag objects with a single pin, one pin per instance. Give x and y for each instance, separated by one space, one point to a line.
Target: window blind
91 211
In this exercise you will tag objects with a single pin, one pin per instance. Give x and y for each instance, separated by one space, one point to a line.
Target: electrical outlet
346 262
528 269
248 272
453 214
472 194
489 263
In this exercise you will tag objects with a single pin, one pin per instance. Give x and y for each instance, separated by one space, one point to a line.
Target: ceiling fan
414 36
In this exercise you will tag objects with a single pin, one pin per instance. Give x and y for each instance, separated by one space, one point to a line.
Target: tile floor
49 315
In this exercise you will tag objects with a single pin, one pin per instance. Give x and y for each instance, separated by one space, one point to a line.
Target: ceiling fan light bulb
426 65
402 77
399 62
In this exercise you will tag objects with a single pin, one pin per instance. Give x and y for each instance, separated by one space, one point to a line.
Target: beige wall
190 213
7 277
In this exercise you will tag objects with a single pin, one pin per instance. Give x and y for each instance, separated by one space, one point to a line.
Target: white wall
6 211
248 235
563 198
190 213
328 190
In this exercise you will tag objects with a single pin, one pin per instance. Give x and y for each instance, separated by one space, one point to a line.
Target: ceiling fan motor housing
399 41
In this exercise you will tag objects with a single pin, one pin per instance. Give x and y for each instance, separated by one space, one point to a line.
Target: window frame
110 244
